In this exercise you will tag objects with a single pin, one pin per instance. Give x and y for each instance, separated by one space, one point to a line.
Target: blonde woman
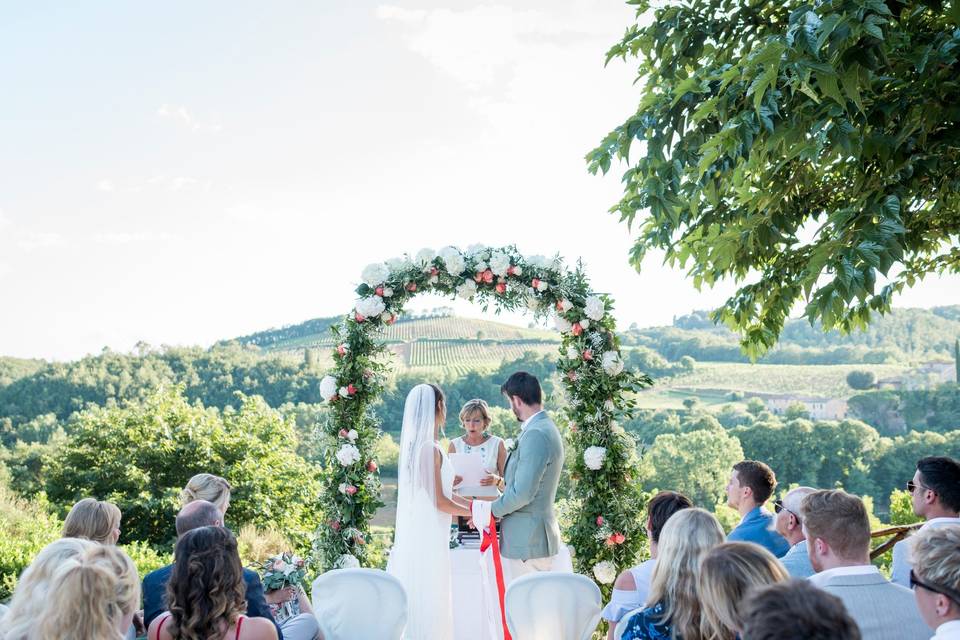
673 606
92 596
33 588
727 573
475 419
206 486
95 520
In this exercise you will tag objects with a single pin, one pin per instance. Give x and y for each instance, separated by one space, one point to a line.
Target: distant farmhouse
818 408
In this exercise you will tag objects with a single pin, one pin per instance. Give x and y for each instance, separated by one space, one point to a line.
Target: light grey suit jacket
882 610
532 473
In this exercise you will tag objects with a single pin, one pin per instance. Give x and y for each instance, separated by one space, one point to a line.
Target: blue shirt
755 528
797 561
648 625
155 596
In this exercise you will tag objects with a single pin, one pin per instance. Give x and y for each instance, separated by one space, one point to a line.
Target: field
716 378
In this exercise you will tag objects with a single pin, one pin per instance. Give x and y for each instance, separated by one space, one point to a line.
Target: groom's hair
525 386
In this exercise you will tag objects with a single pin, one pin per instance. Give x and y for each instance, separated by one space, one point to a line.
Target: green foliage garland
606 533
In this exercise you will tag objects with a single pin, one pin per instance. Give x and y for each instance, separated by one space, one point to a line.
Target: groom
531 537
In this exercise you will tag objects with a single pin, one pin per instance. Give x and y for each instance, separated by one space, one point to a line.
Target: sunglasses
778 507
944 591
912 486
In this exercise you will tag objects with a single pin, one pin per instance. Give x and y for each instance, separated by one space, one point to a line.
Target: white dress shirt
527 421
820 579
900 567
948 631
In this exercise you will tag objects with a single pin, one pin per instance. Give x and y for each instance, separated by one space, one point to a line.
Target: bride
420 557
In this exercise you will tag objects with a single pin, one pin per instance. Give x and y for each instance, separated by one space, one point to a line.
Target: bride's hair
474 407
440 406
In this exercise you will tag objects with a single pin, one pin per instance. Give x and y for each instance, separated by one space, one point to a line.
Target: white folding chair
552 606
359 603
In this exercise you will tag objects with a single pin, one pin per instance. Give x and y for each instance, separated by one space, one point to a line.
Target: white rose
386 316
347 561
328 388
387 292
399 264
434 279
562 324
425 257
572 353
476 250
344 392
352 435
609 406
605 572
612 364
532 303
584 324
509 443
542 286
593 457
594 308
499 263
453 260
347 454
539 261
480 266
467 290
342 488
370 306
565 305
375 274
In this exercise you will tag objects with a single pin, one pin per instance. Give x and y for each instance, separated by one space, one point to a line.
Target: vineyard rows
468 355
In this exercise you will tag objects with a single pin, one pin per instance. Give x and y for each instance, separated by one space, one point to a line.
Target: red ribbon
490 540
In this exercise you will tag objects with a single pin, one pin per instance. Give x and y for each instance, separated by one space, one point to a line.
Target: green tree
813 145
755 406
796 410
140 456
696 464
861 380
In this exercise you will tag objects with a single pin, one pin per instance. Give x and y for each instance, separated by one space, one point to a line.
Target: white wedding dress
420 557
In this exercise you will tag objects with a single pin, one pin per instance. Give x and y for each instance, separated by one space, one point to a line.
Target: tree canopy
809 152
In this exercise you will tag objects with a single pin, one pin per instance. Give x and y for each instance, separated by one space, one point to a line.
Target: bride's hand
457 480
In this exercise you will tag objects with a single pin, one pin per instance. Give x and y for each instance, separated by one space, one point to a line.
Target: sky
184 172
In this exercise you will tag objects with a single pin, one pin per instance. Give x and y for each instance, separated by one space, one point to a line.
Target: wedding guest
293 613
195 515
33 588
935 493
727 573
936 579
95 520
475 419
838 541
751 485
206 486
796 610
93 596
788 524
632 586
206 592
673 605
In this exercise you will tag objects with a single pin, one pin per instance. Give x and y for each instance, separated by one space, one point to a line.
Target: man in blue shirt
751 484
789 524
194 515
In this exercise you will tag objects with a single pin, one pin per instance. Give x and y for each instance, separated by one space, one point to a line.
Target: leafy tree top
809 152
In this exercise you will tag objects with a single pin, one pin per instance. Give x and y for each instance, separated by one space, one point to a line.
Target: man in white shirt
936 579
838 540
787 523
935 489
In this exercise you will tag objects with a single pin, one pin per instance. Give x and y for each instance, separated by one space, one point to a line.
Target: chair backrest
552 606
359 603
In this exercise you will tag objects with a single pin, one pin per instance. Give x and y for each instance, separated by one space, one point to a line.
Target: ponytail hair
206 486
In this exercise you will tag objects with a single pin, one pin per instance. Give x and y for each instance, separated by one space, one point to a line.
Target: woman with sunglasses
935 579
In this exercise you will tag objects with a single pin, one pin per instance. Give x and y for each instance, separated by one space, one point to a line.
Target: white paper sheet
469 466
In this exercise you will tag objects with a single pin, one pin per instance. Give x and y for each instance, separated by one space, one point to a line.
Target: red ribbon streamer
490 540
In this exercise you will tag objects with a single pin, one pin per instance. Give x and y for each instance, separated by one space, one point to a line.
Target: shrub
26 527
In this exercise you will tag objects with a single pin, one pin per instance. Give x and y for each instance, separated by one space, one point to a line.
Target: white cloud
116 238
181 114
5 220
32 240
106 185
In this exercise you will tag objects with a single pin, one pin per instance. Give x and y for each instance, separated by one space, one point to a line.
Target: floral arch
604 527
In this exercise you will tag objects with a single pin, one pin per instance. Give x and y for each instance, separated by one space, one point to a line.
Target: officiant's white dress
420 557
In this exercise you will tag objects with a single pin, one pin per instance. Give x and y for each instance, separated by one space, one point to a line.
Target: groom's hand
491 479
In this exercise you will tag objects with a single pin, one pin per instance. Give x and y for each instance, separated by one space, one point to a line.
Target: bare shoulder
257 629
155 631
625 582
451 448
